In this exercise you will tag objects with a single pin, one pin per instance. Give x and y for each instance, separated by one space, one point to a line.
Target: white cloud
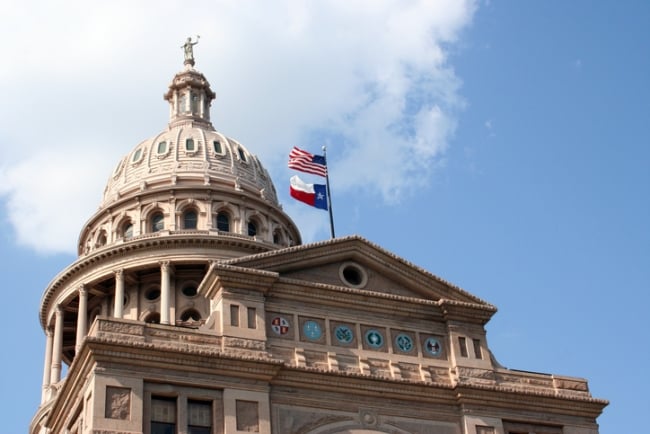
84 80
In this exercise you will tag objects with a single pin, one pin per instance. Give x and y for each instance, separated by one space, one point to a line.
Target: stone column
47 367
82 317
165 295
119 294
57 347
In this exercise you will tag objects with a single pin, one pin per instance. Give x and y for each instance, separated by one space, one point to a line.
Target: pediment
356 263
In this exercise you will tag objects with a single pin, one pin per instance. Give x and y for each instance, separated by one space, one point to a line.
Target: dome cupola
189 177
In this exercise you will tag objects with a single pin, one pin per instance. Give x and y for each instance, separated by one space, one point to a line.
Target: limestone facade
194 308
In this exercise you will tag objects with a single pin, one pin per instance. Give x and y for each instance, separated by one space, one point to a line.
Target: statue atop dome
188 49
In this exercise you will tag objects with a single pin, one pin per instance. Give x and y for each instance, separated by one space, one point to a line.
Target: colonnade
54 333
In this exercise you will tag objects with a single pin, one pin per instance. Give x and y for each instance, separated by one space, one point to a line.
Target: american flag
307 162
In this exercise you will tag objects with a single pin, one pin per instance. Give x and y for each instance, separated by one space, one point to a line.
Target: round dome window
152 294
189 291
353 275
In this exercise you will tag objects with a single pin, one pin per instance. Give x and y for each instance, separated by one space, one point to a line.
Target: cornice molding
361 250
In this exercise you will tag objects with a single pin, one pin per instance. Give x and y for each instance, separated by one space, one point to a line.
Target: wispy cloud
370 79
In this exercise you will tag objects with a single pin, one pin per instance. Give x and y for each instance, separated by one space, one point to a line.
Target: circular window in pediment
353 275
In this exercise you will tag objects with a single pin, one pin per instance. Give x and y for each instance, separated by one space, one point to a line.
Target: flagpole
329 193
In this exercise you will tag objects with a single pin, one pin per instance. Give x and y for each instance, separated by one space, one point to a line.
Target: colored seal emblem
432 346
280 325
312 330
374 339
404 342
343 334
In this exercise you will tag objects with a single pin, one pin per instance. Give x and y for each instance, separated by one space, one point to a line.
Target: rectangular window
199 417
189 144
462 343
252 318
477 348
182 103
217 146
234 315
163 415
195 103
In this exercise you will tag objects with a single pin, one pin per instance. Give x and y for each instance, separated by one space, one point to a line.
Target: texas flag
311 194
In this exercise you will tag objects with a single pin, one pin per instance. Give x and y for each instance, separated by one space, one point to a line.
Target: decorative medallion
343 334
404 342
280 325
312 330
432 346
374 339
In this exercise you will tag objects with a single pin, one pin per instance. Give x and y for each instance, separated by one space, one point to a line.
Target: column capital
49 332
82 289
164 265
58 309
119 272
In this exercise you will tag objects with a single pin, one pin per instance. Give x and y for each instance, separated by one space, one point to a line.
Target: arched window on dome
223 221
277 237
127 230
137 155
190 219
242 155
252 228
157 222
101 239
162 147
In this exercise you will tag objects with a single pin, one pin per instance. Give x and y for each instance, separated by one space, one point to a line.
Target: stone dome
189 150
189 166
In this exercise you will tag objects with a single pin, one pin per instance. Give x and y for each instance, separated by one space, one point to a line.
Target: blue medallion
343 334
374 339
404 343
432 346
312 330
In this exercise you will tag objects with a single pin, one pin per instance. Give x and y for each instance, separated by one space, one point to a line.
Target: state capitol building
194 308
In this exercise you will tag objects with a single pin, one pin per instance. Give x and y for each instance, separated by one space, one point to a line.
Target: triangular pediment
354 262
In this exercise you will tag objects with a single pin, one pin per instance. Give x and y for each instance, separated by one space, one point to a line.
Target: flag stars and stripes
307 162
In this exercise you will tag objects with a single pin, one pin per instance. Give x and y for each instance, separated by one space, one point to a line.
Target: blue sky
503 146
